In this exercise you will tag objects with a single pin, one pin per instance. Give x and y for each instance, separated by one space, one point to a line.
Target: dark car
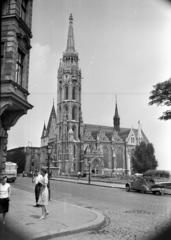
161 188
140 184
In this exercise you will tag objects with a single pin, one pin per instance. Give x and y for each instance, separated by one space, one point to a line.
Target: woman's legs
46 210
43 212
3 217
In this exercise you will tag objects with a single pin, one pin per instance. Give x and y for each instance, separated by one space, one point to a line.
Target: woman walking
44 194
5 191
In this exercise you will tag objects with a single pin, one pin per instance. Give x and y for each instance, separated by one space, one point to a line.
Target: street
129 215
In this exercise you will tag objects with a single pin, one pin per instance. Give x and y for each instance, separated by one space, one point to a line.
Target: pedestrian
5 192
37 181
44 194
79 175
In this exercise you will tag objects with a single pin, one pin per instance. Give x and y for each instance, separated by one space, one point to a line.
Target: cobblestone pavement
129 215
124 224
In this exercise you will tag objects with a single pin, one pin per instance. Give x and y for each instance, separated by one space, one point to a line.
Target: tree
157 173
143 158
161 95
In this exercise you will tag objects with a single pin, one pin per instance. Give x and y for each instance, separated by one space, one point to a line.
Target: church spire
70 41
116 118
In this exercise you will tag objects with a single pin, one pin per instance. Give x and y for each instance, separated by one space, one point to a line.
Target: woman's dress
44 193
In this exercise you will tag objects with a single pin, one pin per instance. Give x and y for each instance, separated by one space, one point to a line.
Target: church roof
52 115
123 133
44 131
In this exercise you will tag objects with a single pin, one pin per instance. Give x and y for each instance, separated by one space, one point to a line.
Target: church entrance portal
97 166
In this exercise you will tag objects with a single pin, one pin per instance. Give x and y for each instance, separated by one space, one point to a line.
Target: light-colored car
161 188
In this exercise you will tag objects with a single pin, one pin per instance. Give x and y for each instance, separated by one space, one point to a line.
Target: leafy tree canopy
143 158
157 173
161 95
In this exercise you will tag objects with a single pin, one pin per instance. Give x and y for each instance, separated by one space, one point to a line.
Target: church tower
68 105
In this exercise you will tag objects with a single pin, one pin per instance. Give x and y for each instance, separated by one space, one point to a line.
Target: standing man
37 181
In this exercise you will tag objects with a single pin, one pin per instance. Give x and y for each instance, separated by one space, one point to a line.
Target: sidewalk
64 218
93 182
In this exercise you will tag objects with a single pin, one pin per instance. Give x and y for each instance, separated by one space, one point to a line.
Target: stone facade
76 145
15 47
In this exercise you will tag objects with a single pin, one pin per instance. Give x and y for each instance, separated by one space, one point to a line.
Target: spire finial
116 98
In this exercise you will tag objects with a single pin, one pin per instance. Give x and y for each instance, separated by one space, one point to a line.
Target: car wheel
161 193
154 193
128 188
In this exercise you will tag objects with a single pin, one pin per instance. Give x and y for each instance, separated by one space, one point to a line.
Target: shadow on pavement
8 233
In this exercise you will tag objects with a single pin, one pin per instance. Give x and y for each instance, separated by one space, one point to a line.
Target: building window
2 55
23 10
19 68
2 49
74 113
60 93
60 133
74 152
74 131
66 92
66 111
5 7
132 139
73 93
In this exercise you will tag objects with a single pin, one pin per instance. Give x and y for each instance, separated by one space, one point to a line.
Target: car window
168 185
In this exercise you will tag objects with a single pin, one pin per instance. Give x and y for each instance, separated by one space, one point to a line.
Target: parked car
140 184
161 188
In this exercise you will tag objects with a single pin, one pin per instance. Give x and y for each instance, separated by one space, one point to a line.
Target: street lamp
30 155
89 165
49 152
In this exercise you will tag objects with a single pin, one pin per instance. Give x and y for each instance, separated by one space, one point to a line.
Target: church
78 146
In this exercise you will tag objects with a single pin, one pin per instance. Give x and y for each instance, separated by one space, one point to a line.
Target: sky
124 50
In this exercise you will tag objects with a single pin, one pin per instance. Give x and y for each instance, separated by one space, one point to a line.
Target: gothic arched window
59 113
74 93
74 152
60 133
74 113
66 92
60 92
74 131
66 111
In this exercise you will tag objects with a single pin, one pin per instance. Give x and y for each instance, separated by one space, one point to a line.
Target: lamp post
49 151
30 149
89 165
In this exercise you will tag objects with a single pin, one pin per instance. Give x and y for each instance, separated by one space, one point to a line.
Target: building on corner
16 20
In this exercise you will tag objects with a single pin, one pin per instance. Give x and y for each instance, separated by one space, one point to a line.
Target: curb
98 223
92 184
